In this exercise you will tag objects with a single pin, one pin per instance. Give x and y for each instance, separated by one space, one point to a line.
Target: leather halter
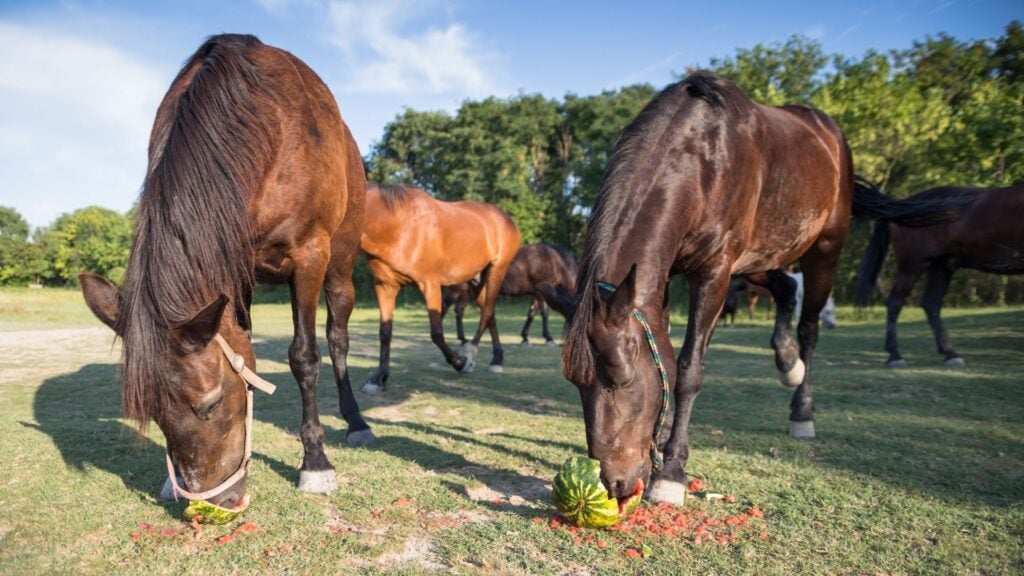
251 381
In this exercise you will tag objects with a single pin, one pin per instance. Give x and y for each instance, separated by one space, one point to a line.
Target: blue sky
80 80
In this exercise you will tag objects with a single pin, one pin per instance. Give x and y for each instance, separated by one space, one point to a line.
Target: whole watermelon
582 499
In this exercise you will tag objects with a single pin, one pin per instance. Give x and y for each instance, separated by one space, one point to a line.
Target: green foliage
782 73
91 239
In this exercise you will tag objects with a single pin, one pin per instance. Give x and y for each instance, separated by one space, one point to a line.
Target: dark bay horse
707 184
939 231
252 176
413 238
544 271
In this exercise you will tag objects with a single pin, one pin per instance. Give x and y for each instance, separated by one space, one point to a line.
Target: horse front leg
432 294
707 296
548 340
901 288
386 294
935 291
341 296
530 314
316 473
787 353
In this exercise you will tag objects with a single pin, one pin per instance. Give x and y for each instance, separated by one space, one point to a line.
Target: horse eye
204 410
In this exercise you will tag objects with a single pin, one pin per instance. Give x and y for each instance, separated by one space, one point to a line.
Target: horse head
620 383
184 378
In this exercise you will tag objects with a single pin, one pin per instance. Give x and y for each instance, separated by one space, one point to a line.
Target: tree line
944 111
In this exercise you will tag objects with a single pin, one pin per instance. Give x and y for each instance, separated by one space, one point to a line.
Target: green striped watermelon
582 499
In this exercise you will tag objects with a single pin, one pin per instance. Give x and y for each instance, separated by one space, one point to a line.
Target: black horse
704 183
939 231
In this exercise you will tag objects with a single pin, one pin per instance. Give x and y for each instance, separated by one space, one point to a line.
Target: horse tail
870 204
871 264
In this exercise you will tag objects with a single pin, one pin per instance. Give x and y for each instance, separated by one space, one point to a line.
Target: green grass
916 471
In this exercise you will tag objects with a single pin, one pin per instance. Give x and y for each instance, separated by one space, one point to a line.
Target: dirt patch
387 414
518 491
416 551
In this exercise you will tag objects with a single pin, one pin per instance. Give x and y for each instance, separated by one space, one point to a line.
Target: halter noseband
251 381
656 460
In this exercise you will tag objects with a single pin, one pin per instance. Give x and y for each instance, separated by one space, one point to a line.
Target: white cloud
75 121
386 54
816 32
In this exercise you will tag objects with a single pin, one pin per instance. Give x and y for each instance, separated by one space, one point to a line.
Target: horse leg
487 298
938 283
548 340
316 473
529 320
497 354
751 302
460 313
818 270
341 297
707 296
386 294
787 353
901 287
432 294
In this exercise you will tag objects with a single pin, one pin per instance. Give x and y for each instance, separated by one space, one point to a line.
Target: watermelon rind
211 513
581 497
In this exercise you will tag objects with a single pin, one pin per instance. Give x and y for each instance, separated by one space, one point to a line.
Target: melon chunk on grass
582 499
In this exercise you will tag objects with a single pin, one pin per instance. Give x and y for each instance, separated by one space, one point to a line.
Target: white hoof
526 343
801 429
470 351
317 481
955 362
668 491
897 363
360 438
167 492
550 344
371 388
795 376
495 368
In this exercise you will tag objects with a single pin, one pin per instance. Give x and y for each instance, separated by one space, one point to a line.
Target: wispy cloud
389 50
815 32
76 120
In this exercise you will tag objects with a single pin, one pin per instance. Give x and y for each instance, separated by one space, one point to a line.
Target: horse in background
412 238
754 292
545 271
707 184
253 176
939 231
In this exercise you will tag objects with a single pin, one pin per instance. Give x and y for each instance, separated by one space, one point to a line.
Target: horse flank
210 148
636 151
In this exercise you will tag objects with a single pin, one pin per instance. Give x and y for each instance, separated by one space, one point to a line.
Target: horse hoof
897 363
317 481
167 492
526 344
550 344
955 362
801 429
372 388
495 368
795 376
470 359
358 438
668 491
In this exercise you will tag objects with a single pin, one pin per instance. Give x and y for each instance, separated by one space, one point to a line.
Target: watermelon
582 499
213 514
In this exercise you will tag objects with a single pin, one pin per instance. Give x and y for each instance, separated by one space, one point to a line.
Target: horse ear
622 302
101 297
201 328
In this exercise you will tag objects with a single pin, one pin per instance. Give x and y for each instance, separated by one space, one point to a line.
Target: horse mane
636 149
193 240
394 195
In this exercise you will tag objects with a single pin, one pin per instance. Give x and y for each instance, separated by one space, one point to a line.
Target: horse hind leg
901 287
935 290
530 314
817 285
432 294
787 353
548 340
487 299
386 294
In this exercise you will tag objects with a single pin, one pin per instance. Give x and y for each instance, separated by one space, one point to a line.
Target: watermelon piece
213 514
582 499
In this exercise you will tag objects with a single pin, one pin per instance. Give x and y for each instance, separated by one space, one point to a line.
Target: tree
780 73
91 239
21 261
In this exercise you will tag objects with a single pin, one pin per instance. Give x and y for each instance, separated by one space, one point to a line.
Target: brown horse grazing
545 271
939 231
703 183
410 237
252 176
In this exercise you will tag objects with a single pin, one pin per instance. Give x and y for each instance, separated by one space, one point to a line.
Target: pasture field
915 471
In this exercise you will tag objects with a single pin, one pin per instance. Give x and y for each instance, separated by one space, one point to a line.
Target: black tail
871 264
870 204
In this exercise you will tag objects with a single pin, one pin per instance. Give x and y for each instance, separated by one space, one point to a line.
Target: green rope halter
656 460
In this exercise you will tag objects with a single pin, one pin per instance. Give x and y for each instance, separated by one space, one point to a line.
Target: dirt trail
39 354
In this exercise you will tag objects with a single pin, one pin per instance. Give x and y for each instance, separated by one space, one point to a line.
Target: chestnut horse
939 231
252 176
707 184
413 238
545 271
